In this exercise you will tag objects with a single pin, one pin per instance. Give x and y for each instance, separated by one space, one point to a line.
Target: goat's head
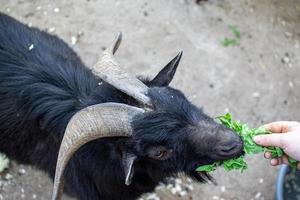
163 127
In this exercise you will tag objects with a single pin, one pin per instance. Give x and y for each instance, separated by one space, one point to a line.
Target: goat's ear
165 76
128 166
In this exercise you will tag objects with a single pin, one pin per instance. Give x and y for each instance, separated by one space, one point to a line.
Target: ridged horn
93 122
109 70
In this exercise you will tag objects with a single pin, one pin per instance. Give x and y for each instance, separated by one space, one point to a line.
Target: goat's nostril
228 149
232 149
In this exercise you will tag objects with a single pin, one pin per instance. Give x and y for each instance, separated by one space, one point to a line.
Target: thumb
269 140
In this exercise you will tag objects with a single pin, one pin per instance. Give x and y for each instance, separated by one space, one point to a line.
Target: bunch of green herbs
250 147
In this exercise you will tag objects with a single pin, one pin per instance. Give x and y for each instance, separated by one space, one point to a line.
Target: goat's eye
159 152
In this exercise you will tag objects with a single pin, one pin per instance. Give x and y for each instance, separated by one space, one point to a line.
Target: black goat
43 83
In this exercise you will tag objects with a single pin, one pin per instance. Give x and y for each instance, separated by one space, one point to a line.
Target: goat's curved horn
109 70
97 121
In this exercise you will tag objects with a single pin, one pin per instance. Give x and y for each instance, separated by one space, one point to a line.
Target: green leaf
292 162
206 168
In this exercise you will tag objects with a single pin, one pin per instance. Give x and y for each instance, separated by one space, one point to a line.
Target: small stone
8 176
56 10
22 171
38 8
285 59
169 186
182 193
73 40
34 196
291 84
215 198
261 180
190 187
258 195
173 190
51 29
29 24
223 189
177 180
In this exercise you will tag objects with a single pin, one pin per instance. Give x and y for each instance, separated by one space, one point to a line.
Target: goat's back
42 84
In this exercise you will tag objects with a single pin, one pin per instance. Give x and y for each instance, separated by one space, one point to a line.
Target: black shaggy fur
41 88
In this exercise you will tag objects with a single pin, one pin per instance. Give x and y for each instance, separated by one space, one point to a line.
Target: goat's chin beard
202 177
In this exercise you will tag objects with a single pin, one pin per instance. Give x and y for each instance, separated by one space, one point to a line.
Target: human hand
285 135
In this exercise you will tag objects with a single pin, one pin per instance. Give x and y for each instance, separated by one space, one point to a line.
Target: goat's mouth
228 152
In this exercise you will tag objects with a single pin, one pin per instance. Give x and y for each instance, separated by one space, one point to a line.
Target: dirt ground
256 78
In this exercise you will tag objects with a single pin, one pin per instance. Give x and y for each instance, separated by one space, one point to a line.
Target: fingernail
256 139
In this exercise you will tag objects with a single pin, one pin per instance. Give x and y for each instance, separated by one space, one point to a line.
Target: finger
280 126
274 161
285 159
267 155
298 165
269 140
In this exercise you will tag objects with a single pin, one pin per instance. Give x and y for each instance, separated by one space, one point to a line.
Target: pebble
22 171
179 187
182 193
261 180
258 195
56 10
73 40
34 196
8 176
285 59
51 29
